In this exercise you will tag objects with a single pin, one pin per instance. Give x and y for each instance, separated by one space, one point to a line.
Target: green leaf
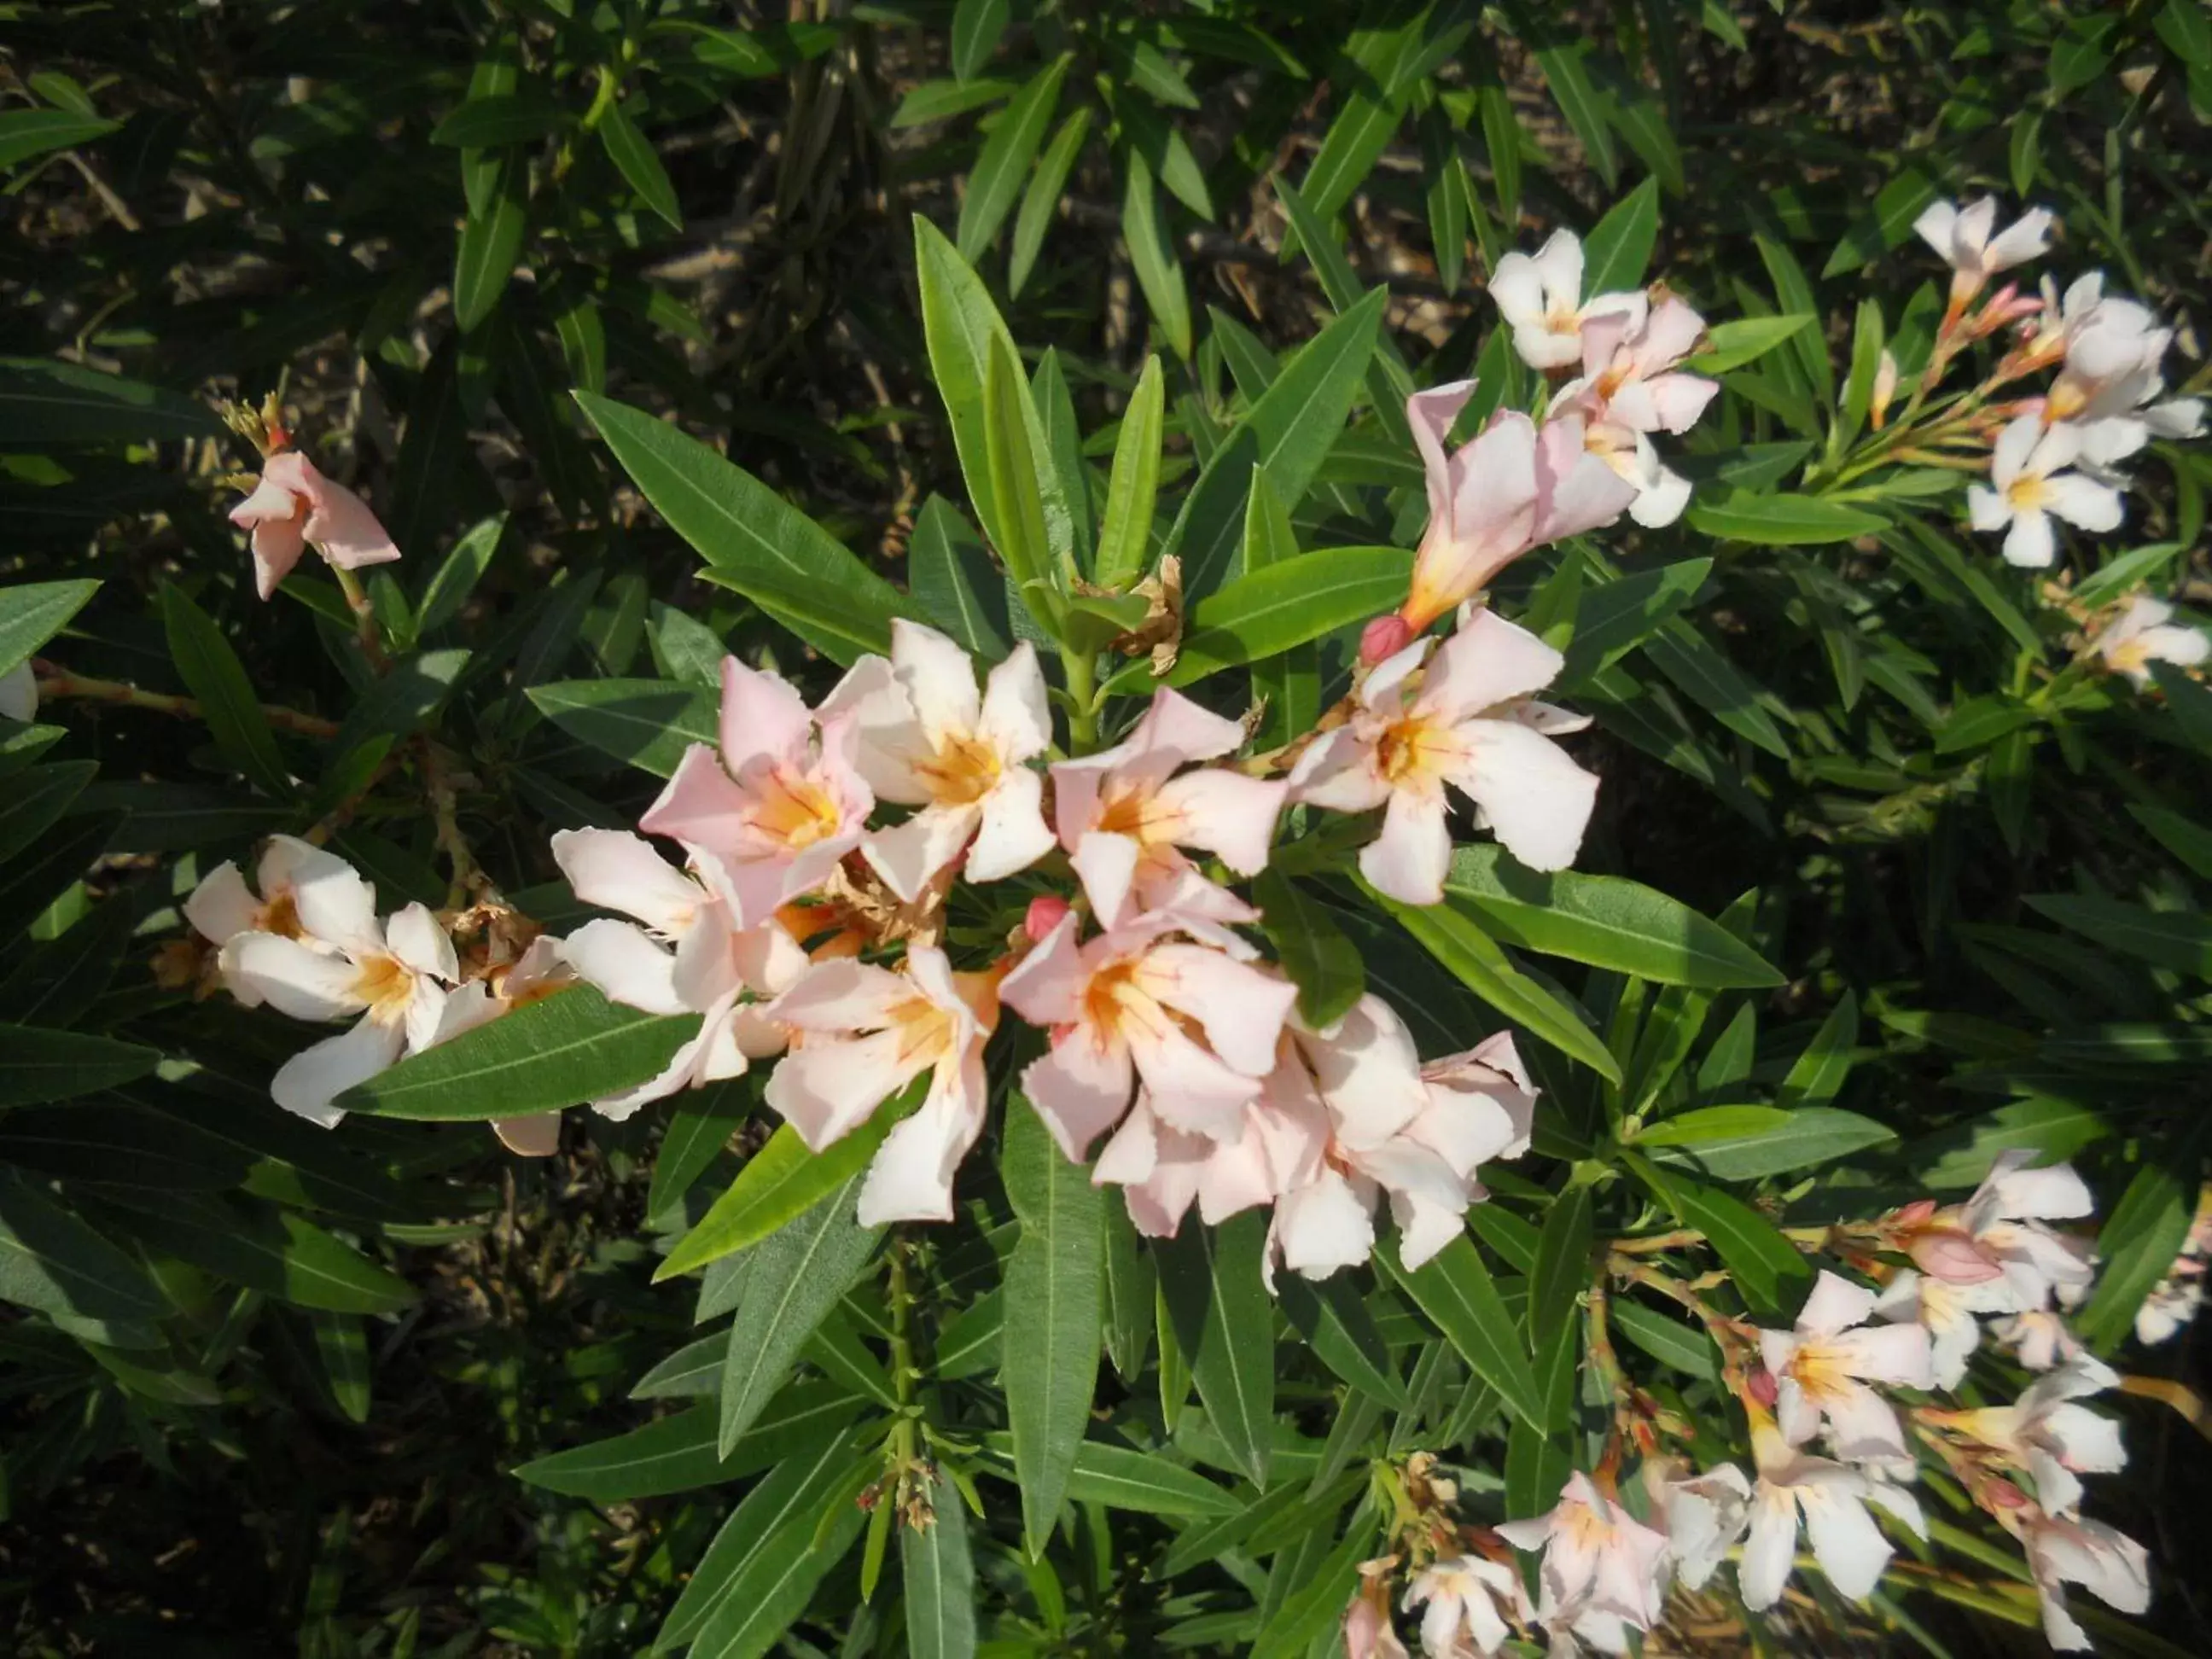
1455 936
1560 1276
1132 1295
976 26
1667 1341
33 613
39 1065
343 1346
491 242
1041 200
1125 534
632 151
500 119
1620 246
1124 1479
1455 1290
955 583
45 404
1743 1142
1612 620
403 701
676 1454
548 1055
1886 222
49 1260
26 134
1745 339
35 801
751 1546
1605 921
2187 31
275 1251
1817 1077
1223 1322
753 539
1295 424
778 1183
1024 540
700 1126
1699 670
1051 1327
1783 520
214 675
1153 253
995 181
939 1578
2180 939
1766 1266
649 723
1313 950
2137 1246
1336 1324
1265 613
798 1275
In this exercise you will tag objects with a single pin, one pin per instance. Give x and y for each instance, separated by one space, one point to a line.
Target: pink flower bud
1950 1256
1761 1386
1045 915
2004 1495
1915 1212
1383 638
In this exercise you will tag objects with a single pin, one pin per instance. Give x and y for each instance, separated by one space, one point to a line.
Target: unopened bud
1885 388
1383 638
1761 1386
2000 1494
1045 912
1946 1253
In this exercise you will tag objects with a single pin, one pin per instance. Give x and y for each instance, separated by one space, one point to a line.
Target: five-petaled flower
2031 486
1834 1503
1598 1558
293 507
2146 633
1824 1368
1970 243
929 741
1467 721
1539 297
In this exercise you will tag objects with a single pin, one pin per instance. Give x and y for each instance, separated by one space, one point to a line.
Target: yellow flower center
2067 399
2028 493
925 1031
795 810
1412 752
386 984
280 916
1563 318
962 772
2129 656
1137 812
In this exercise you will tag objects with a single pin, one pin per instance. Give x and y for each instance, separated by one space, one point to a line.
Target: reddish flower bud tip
1761 1386
1916 1211
1384 638
2002 1494
1045 915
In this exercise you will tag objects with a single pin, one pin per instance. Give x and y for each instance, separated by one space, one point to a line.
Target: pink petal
614 870
700 804
1080 1087
1487 662
1047 988
827 1086
1241 1008
1536 800
626 967
1407 861
762 716
908 855
1227 813
1014 834
1106 864
1324 1227
339 524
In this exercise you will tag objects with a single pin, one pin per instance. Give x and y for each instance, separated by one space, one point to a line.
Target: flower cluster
1520 484
1609 1554
2056 455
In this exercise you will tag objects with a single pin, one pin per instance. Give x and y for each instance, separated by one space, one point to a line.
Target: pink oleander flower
2146 633
1468 1604
1366 1631
1631 388
223 906
1125 814
538 972
1703 1514
1947 1312
1964 238
1998 1233
1162 1171
294 507
926 739
1510 490
2109 1564
1169 1000
19 693
1823 1367
2038 1340
688 957
1470 724
768 816
2055 1440
1415 1134
340 963
2028 468
2175 1299
1833 1502
859 1034
1598 1558
1541 298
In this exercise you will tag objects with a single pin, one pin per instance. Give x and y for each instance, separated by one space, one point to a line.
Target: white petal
309 1081
1014 834
626 966
221 906
940 678
1324 1227
293 978
908 855
1016 715
1408 860
1107 865
2084 503
614 870
2008 456
416 938
2031 544
338 907
1559 264
1849 1547
1770 1548
1536 800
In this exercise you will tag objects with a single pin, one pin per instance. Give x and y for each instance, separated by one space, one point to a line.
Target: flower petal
614 870
1014 834
308 1082
907 855
415 937
1080 1087
1535 799
1849 1547
1226 813
293 978
626 966
221 906
1017 713
1407 861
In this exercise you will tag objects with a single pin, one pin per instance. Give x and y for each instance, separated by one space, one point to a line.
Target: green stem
364 616
1083 699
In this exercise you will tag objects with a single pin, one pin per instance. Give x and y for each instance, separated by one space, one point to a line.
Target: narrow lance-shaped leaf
1125 535
1211 1277
1051 1323
798 1276
940 1579
1455 1290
